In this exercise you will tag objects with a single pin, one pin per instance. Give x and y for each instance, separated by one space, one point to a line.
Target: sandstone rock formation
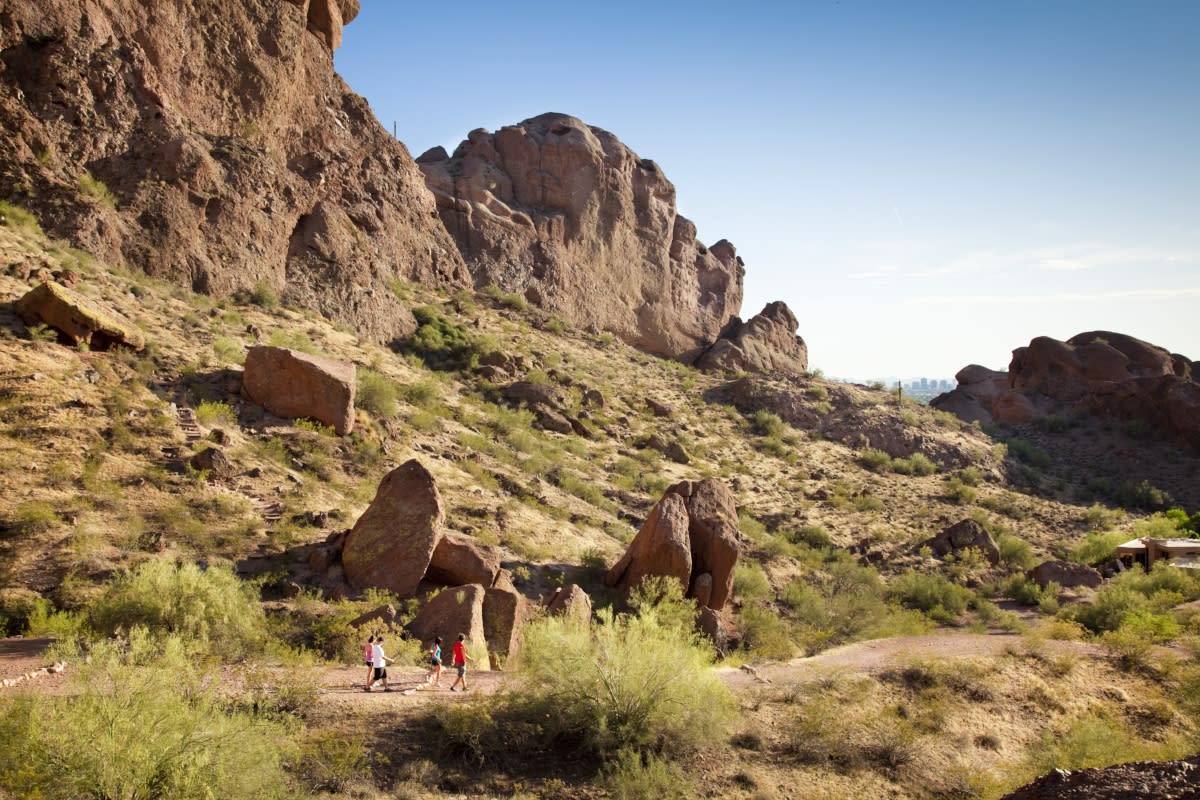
76 319
963 535
385 615
692 535
571 601
212 145
1066 574
767 343
455 610
504 614
567 215
392 543
292 384
1136 780
212 461
458 559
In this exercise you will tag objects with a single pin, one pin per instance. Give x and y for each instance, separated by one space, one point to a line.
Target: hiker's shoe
366 688
387 688
453 689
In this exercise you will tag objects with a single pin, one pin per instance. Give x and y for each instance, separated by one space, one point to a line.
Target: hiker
435 663
369 657
380 661
460 662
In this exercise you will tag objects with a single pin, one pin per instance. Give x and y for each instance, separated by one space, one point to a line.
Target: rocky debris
212 461
56 668
767 343
571 601
228 152
392 543
504 613
294 384
458 559
658 408
692 535
455 610
535 395
568 216
677 453
77 319
385 615
1137 780
548 420
1065 574
963 535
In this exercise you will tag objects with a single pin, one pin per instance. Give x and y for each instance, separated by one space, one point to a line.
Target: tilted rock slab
455 610
292 384
392 543
767 343
76 318
565 214
706 512
459 559
504 614
571 601
961 535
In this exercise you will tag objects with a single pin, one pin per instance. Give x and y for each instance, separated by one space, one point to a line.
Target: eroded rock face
963 535
458 559
767 343
292 384
76 319
392 543
233 152
504 612
1138 780
458 609
691 535
571 601
567 215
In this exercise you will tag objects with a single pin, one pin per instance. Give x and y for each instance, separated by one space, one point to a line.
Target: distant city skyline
926 185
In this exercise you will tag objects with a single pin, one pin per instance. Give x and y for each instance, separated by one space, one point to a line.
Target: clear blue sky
926 185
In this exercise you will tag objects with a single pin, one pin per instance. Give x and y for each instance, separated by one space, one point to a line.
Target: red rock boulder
661 547
459 559
392 543
455 610
292 384
767 343
571 601
1066 574
77 319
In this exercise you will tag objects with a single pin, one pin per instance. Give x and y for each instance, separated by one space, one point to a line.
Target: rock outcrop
392 543
212 145
1136 780
292 384
963 535
1066 574
565 214
571 601
691 535
767 343
458 559
455 610
76 319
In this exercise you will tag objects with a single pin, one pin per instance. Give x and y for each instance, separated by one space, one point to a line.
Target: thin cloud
1056 297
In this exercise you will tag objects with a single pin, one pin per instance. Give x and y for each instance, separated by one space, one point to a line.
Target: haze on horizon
926 185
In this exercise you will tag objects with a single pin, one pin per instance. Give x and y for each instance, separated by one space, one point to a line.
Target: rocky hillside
214 146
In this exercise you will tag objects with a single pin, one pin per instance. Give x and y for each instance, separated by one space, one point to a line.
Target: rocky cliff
212 144
567 215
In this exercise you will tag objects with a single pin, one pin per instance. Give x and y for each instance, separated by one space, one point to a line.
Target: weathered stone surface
535 394
962 535
458 559
549 420
1013 406
292 384
661 547
767 343
713 530
452 611
392 543
385 614
571 601
212 461
702 589
504 612
77 319
235 153
1137 780
710 623
566 215
658 408
971 401
677 453
1066 574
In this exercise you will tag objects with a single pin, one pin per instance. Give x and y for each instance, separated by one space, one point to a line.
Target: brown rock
657 408
962 535
226 138
548 420
77 320
392 543
458 559
1013 406
320 559
661 547
452 611
1066 574
504 612
710 623
385 614
294 384
571 601
535 395
566 215
767 343
212 461
702 589
713 529
677 453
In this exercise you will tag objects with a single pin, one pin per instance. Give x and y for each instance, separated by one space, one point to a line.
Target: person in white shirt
380 661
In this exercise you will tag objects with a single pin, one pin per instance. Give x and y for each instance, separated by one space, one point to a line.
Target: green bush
43 620
442 344
140 722
932 595
642 776
263 296
1028 453
377 393
93 187
1015 553
764 423
213 608
1141 495
17 217
214 413
960 492
749 581
1098 518
505 299
875 460
1097 548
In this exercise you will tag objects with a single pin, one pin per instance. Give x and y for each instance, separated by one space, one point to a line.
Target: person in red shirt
460 662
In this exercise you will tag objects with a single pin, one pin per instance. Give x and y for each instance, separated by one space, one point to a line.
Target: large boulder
567 215
1066 574
972 399
767 343
77 319
455 610
392 543
504 612
459 559
963 535
691 535
292 384
571 601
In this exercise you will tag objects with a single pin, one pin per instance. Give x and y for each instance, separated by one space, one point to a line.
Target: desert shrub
1096 548
214 413
441 343
505 299
817 392
1005 504
262 295
212 608
1140 495
229 351
765 423
643 776
1095 740
875 460
1098 518
35 516
91 186
1028 453
960 492
932 595
1015 553
331 760
17 217
837 730
916 464
810 535
587 491
45 620
140 722
749 580
377 393
764 633
1026 591
293 340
